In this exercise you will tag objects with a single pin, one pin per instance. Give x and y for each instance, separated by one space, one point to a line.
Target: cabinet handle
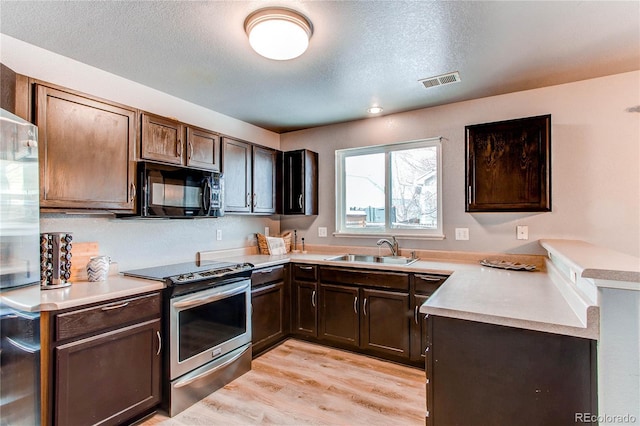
190 149
364 308
355 305
300 201
159 342
415 314
306 268
313 298
132 191
111 307
469 194
179 148
255 202
428 278
248 200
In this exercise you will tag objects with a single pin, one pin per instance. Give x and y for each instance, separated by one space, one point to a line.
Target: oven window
207 326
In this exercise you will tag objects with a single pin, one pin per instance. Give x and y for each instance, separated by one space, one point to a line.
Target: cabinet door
300 182
418 329
87 151
203 149
162 139
264 180
108 378
236 165
268 323
385 317
339 314
305 308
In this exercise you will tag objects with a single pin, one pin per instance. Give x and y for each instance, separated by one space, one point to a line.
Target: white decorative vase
98 268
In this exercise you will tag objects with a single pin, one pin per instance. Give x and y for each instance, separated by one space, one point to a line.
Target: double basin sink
396 260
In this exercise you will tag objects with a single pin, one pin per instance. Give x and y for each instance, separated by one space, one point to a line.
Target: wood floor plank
300 383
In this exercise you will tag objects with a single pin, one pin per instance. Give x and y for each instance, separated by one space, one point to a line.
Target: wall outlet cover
522 232
322 231
462 234
219 235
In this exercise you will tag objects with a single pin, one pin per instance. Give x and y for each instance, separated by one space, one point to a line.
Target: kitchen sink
396 260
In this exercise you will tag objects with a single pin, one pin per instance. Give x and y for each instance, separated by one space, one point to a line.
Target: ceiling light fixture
374 110
278 33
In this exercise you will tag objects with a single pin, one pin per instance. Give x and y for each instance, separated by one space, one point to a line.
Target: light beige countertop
590 261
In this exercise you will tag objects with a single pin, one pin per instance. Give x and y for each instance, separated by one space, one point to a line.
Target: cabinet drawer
106 316
391 280
305 272
267 275
427 283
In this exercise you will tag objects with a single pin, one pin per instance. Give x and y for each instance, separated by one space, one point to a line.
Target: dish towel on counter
276 245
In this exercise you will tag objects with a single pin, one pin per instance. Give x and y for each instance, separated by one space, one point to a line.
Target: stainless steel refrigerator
19 272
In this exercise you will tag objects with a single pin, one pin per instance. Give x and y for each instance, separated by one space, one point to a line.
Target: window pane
414 188
364 191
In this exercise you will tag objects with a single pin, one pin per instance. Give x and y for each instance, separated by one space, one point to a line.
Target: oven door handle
185 382
209 296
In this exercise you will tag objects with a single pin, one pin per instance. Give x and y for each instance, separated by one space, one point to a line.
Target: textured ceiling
361 52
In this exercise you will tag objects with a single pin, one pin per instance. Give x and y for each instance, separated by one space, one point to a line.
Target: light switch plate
462 234
219 234
266 231
322 231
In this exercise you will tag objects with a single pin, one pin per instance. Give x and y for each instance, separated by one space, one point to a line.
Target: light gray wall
595 157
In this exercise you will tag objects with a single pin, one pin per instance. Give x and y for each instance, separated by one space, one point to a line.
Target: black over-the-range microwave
179 192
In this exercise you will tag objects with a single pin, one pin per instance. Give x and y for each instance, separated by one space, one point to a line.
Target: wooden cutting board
81 253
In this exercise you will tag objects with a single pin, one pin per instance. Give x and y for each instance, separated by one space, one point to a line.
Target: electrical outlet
462 234
522 232
219 235
266 231
322 231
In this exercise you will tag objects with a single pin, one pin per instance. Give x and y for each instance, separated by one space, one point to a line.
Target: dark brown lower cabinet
305 308
385 323
418 330
488 374
270 308
366 310
108 378
339 314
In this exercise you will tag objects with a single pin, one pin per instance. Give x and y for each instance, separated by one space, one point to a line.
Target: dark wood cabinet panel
14 96
305 308
508 165
108 378
488 374
203 149
236 164
300 180
264 180
385 322
339 314
87 151
368 278
162 139
418 329
270 307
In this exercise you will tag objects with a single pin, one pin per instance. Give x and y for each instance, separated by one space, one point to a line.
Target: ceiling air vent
452 77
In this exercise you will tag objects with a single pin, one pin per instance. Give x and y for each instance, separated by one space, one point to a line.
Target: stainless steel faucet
393 244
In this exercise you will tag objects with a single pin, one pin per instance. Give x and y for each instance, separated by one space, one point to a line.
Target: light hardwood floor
300 383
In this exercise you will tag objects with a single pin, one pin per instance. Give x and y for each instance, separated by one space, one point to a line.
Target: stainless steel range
207 318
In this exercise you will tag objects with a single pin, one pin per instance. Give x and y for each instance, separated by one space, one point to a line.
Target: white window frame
342 154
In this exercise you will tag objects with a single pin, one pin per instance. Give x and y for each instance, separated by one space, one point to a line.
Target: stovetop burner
183 273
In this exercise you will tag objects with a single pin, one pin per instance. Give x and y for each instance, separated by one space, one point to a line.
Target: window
390 189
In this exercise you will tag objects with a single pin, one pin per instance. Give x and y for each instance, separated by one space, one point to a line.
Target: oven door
208 324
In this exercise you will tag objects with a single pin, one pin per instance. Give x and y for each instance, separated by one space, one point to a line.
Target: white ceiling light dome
278 33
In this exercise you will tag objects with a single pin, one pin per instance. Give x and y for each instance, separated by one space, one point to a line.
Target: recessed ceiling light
374 110
278 33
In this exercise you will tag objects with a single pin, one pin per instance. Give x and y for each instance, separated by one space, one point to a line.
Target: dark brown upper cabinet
86 149
169 141
508 166
250 173
300 182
